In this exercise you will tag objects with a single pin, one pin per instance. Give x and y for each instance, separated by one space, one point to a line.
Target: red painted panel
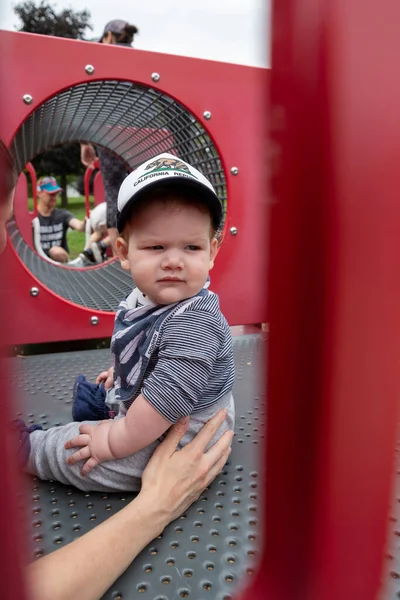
234 94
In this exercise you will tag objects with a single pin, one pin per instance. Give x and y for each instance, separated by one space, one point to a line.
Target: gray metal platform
391 566
212 548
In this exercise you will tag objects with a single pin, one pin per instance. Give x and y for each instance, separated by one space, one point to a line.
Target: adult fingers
89 465
79 455
78 440
218 466
174 436
214 453
205 435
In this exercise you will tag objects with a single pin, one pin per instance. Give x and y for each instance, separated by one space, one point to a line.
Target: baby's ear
121 247
214 249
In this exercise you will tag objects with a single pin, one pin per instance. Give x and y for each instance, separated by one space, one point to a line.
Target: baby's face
169 252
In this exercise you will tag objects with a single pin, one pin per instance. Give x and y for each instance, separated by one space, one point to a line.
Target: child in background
98 242
171 346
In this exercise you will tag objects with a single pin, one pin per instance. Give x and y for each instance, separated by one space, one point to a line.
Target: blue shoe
24 446
88 402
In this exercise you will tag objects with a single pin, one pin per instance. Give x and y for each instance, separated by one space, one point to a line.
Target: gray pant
47 458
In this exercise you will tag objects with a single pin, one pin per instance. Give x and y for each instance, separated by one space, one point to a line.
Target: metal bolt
207 115
89 69
27 98
234 170
94 320
233 230
34 291
155 77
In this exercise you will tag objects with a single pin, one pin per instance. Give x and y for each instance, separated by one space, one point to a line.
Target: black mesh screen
134 122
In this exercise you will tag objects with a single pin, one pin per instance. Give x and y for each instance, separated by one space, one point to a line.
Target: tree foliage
44 19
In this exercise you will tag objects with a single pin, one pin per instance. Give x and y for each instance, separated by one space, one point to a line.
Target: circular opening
130 121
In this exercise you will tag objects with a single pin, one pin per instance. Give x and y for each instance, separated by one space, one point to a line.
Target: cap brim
209 197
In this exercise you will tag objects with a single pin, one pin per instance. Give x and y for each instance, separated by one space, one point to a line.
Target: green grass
76 239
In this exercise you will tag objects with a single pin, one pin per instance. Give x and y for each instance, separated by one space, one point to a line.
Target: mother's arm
171 482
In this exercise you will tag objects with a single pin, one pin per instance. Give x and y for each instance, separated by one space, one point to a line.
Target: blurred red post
334 303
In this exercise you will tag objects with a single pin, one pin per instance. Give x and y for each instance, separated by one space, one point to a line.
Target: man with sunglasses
113 170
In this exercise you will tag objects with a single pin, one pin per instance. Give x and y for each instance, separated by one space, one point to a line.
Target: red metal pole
334 302
86 184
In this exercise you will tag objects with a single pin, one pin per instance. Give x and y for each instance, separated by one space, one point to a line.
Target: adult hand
88 155
173 480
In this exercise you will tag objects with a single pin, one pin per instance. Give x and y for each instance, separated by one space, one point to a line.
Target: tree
43 18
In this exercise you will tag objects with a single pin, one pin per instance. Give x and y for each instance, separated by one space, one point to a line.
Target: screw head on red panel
27 98
207 115
234 170
94 320
233 231
89 69
155 77
34 291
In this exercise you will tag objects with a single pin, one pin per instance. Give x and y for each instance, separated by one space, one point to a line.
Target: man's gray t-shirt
53 229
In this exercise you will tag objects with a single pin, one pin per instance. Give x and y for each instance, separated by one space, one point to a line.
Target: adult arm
171 482
77 224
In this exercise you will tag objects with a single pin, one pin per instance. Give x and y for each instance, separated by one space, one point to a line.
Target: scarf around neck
137 328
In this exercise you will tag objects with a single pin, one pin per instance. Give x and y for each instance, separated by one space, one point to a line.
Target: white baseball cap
165 170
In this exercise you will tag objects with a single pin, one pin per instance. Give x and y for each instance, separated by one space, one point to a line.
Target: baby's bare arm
141 426
110 440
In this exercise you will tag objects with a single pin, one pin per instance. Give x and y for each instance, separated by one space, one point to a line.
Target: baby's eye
193 247
155 248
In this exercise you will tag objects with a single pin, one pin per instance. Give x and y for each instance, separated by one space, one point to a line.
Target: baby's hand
94 445
107 377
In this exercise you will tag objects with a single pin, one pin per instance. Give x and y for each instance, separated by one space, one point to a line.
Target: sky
234 31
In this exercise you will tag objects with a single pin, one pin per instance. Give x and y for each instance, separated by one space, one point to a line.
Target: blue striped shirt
192 365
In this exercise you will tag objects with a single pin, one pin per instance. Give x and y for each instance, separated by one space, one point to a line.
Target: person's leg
47 460
113 172
58 254
94 237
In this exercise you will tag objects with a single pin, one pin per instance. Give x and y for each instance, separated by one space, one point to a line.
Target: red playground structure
305 158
